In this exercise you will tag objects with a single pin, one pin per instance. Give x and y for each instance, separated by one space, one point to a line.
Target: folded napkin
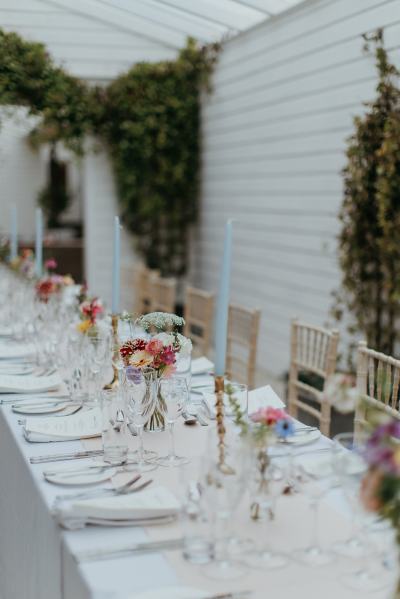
12 351
171 593
155 502
5 331
10 383
201 366
82 425
257 398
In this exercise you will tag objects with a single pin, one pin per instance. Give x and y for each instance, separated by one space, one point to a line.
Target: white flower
186 346
160 321
165 338
340 393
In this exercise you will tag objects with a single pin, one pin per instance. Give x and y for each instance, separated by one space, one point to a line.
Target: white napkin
171 593
257 398
153 502
5 331
202 366
10 383
12 351
82 425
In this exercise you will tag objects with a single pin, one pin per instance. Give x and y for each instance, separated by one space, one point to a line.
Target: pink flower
168 355
268 415
154 346
169 371
50 264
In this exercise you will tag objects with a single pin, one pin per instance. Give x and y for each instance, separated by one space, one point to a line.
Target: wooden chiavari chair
143 289
313 351
378 377
243 326
199 315
163 294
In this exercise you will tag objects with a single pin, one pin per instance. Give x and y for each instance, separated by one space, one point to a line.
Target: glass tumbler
114 426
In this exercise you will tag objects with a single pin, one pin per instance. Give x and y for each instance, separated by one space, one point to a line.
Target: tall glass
175 393
141 388
114 426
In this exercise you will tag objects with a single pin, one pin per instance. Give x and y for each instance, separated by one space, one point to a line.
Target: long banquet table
37 556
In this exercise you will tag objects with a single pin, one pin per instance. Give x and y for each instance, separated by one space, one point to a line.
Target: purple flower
284 428
134 375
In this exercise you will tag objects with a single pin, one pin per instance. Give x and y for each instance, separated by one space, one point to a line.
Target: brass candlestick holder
114 324
219 409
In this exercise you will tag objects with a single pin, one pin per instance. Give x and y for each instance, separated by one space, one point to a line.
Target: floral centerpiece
24 264
160 352
51 285
90 309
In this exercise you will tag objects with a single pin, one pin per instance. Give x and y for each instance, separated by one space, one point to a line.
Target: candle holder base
115 380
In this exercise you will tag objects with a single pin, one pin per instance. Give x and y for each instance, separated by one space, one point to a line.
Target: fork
122 490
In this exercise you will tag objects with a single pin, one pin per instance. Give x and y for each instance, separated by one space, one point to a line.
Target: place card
82 425
257 398
10 383
202 366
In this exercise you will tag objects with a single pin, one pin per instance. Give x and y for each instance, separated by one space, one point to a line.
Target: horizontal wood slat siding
274 130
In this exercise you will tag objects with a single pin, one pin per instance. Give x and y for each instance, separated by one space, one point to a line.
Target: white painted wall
22 172
100 207
285 94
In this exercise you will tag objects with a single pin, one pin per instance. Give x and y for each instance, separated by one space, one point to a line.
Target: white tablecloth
36 557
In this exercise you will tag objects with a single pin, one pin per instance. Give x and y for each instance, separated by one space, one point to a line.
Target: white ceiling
98 39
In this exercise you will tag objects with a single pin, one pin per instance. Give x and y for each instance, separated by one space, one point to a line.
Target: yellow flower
140 359
68 280
84 326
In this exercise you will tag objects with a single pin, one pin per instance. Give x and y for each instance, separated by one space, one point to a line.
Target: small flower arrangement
51 285
50 265
160 352
160 321
90 309
24 264
340 391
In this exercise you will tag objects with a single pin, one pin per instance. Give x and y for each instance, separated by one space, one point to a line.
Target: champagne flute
175 393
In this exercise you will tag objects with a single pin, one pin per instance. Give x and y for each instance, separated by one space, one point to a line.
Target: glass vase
156 421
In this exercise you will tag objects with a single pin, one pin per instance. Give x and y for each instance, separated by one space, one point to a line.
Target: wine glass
314 476
351 467
265 498
226 483
175 392
140 386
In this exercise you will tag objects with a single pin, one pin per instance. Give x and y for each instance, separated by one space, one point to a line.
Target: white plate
45 408
171 593
304 438
88 477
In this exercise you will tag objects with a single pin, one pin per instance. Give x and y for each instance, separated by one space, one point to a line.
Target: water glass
114 425
198 545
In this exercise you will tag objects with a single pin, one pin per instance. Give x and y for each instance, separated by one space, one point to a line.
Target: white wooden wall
285 94
22 172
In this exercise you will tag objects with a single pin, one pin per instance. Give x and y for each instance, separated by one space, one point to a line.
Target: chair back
143 289
243 327
378 377
313 350
163 294
199 315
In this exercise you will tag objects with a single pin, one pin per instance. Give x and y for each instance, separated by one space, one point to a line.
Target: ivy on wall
149 118
369 242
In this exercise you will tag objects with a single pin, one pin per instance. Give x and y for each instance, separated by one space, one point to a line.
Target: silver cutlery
44 399
59 457
92 468
125 489
60 414
137 548
231 595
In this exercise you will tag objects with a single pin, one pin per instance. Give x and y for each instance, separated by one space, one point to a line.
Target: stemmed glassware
266 495
226 485
140 386
314 477
351 467
175 393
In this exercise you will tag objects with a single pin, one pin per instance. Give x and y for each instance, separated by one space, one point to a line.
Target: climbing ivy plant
369 241
149 119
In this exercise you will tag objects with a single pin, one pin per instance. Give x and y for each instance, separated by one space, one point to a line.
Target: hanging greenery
149 119
369 242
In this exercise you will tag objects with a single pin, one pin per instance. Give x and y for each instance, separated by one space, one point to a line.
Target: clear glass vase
156 421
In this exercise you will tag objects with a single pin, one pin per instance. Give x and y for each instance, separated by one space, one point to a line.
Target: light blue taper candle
221 325
14 233
116 266
39 243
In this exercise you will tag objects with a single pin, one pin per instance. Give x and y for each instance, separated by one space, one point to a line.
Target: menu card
82 425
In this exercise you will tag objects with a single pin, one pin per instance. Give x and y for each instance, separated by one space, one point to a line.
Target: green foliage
150 120
369 242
